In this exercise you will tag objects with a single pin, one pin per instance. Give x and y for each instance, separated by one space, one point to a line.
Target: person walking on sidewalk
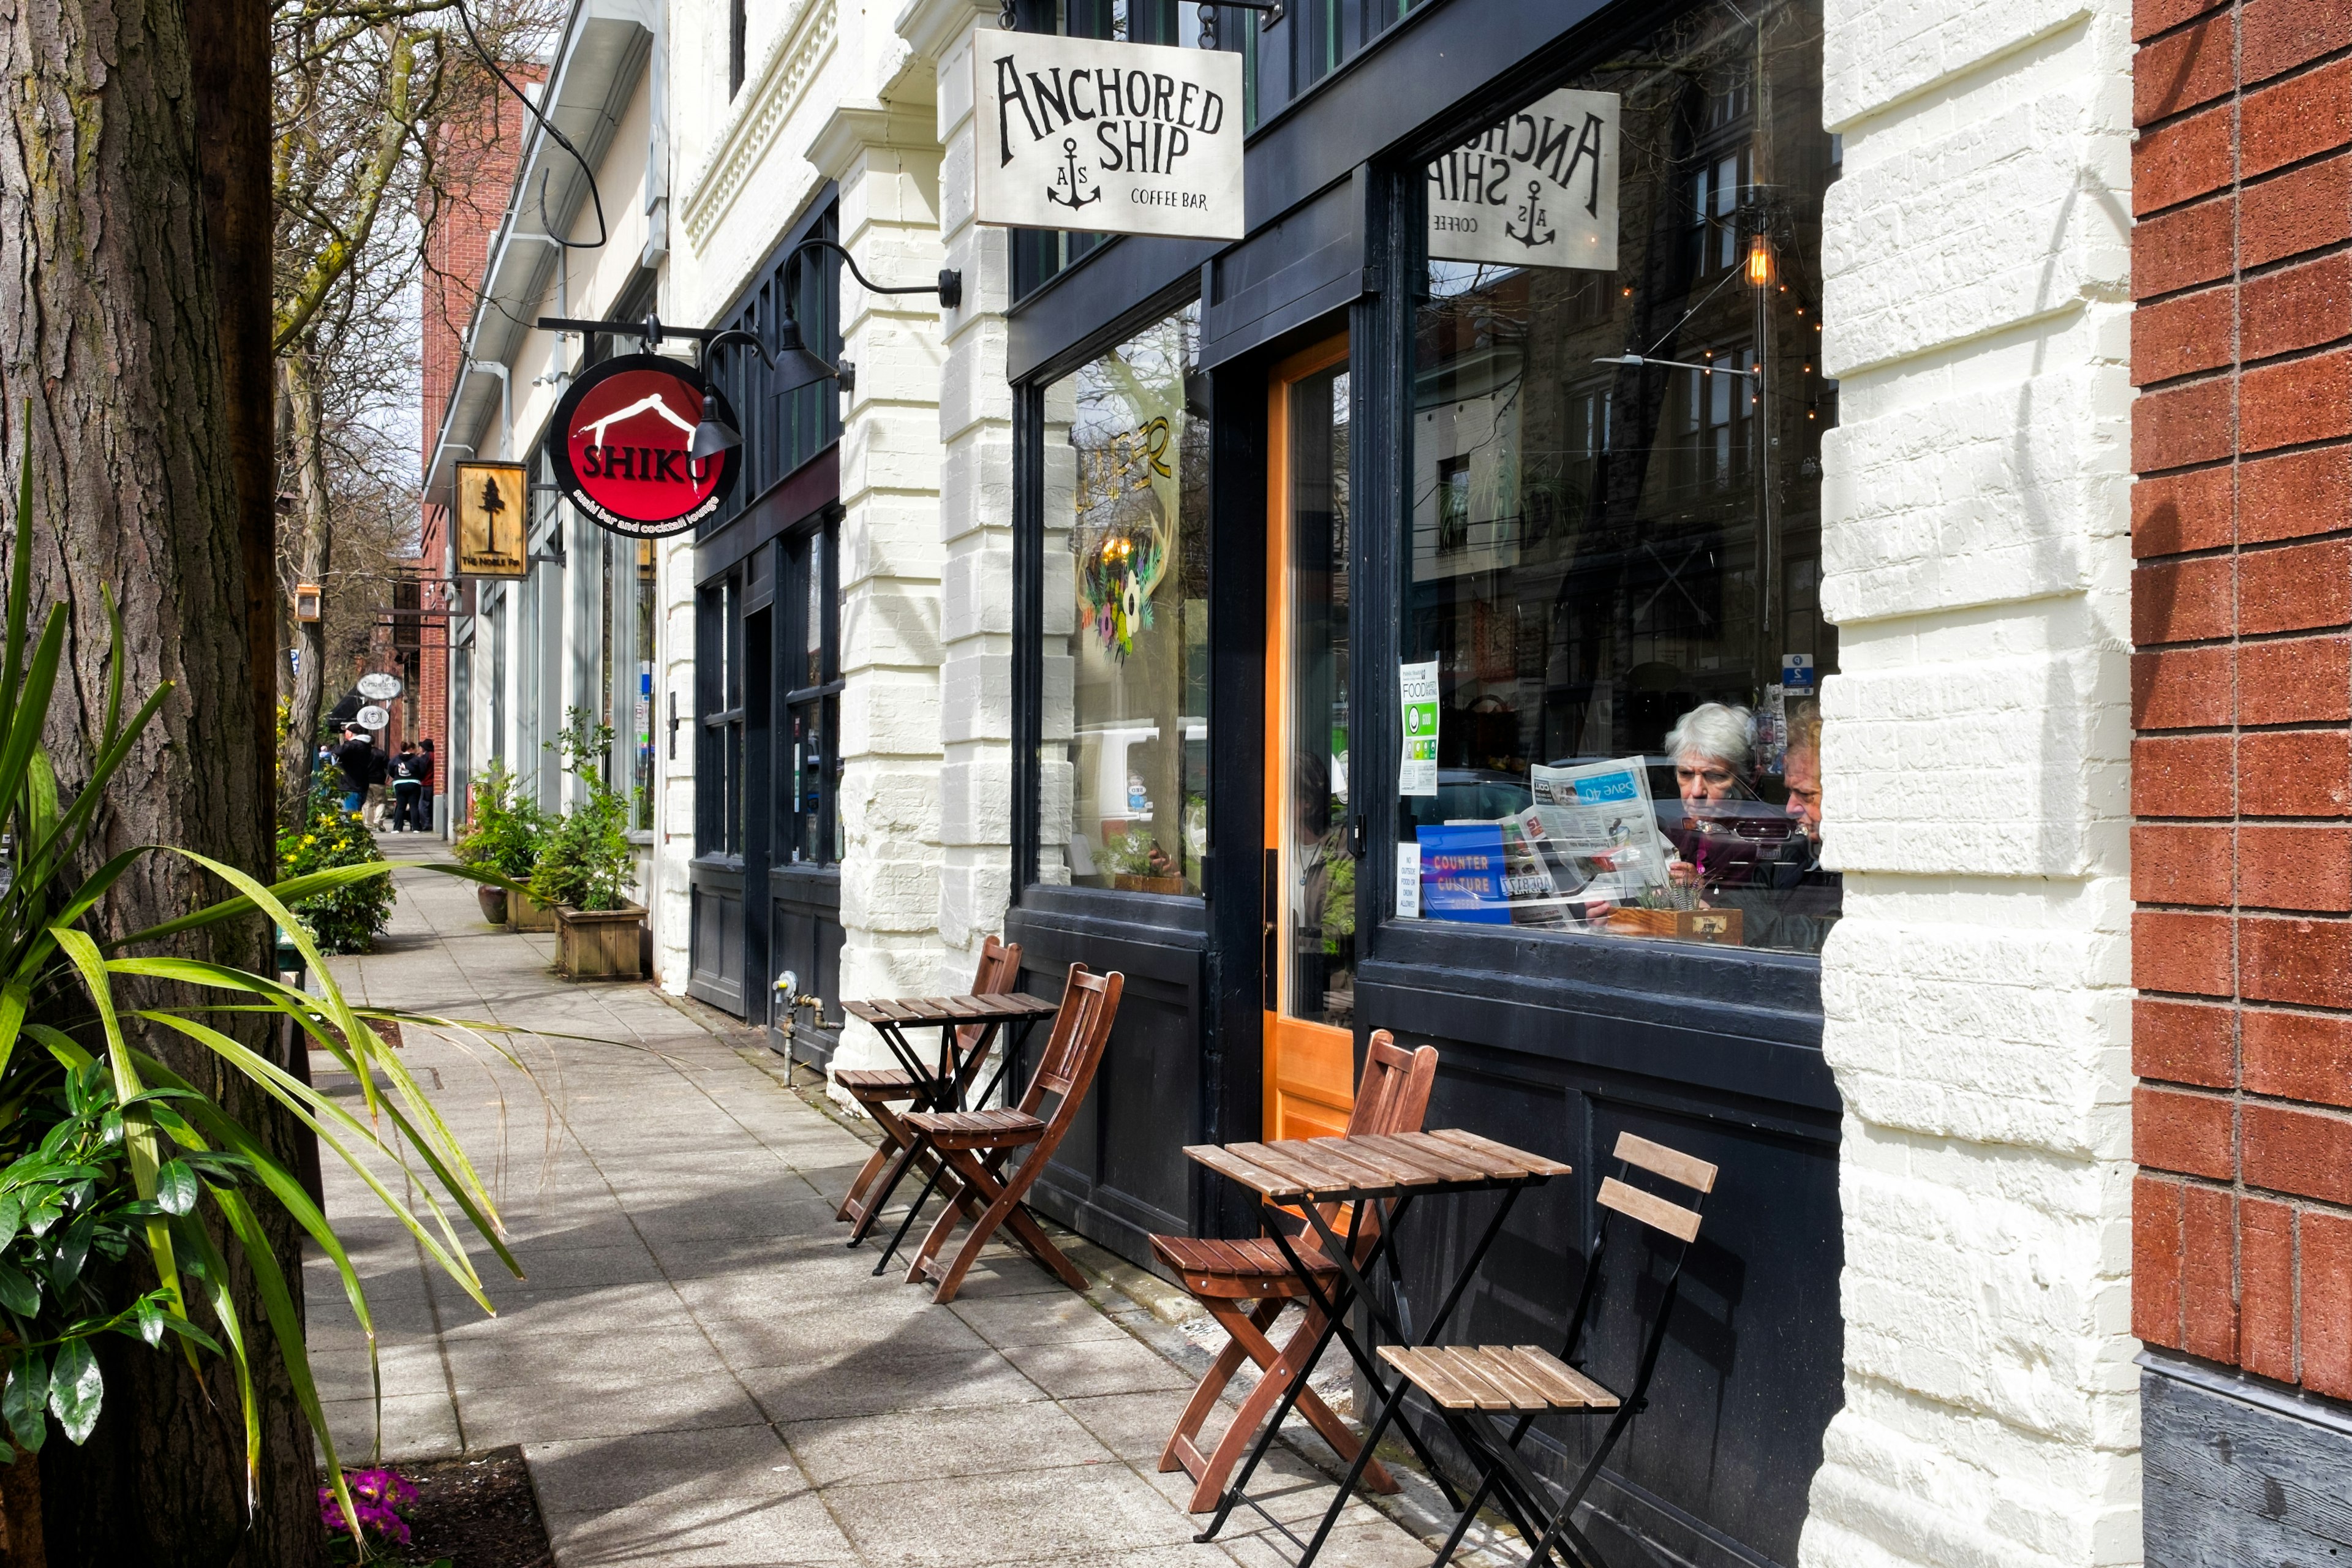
405 789
355 758
425 782
379 773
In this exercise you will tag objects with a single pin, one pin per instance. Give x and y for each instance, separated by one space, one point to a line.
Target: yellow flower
309 838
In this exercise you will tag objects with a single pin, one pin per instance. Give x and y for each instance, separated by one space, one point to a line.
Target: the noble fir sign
1103 137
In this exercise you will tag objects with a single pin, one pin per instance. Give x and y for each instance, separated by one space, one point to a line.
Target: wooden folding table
947 1086
1300 1176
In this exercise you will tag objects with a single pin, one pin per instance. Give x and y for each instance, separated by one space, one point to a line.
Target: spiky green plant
111 1161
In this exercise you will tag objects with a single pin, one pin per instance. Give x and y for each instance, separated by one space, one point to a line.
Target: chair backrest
1393 1094
1678 1221
999 971
1636 1203
1074 1048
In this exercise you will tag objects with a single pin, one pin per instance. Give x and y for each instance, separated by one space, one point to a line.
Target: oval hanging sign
619 446
380 685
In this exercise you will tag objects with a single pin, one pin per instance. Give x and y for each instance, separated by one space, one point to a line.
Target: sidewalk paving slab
698 1370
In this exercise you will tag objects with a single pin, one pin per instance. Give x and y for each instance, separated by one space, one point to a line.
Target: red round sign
620 441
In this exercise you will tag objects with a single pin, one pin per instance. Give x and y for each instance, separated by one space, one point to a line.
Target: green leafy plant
123 1185
585 861
1129 853
507 831
350 917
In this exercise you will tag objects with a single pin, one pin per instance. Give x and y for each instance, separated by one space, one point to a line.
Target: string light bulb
1759 261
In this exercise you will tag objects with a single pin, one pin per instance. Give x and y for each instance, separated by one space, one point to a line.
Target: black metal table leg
1393 1403
957 1084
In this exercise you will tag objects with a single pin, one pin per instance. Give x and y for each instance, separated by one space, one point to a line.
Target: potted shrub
504 839
586 868
350 917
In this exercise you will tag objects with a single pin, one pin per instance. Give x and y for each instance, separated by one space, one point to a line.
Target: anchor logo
1538 231
1069 184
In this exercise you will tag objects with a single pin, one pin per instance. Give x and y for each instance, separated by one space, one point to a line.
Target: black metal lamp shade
714 435
793 364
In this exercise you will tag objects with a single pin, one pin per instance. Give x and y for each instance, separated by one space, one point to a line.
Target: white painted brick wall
973 434
1977 994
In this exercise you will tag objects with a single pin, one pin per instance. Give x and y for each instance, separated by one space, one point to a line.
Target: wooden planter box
527 913
598 944
1719 926
1132 882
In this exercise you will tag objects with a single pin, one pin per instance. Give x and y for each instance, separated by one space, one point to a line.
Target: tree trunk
305 401
111 326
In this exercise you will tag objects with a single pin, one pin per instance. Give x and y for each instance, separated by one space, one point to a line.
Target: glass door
1311 873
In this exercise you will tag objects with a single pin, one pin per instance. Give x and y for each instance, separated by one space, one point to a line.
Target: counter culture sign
1538 188
1107 138
619 445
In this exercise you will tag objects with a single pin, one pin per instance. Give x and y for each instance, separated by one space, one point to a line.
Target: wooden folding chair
977 1145
879 1089
1475 1385
1244 1285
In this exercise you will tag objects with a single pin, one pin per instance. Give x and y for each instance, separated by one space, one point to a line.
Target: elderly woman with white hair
1714 752
1714 749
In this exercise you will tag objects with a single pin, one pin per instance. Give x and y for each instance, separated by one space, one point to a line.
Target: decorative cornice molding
784 79
853 128
934 27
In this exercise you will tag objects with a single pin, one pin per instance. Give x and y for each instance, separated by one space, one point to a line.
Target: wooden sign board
1103 137
493 502
1538 188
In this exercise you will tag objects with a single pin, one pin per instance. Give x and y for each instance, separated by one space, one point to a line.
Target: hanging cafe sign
1538 188
620 446
1102 137
490 509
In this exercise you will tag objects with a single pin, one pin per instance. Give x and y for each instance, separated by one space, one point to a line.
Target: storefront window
644 607
1124 755
1615 521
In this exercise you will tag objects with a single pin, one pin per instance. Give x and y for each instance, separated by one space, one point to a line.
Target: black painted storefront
764 885
1553 1042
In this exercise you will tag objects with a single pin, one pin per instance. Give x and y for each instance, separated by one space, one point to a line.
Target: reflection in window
1615 526
808 823
1123 761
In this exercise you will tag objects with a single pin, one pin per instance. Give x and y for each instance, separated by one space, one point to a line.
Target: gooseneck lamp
794 364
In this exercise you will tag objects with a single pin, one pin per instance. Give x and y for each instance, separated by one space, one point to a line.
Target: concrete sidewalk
696 1368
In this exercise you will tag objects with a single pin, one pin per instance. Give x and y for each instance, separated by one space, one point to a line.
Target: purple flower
377 1496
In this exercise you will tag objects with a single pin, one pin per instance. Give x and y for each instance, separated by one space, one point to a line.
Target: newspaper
1598 817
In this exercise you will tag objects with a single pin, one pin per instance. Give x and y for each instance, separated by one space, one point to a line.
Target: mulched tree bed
478 1512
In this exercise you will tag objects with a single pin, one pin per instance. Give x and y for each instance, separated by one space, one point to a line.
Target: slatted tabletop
1330 1169
1009 1007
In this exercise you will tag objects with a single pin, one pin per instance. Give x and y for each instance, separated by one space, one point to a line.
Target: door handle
1269 979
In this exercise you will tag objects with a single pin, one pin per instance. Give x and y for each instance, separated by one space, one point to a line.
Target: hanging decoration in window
1125 497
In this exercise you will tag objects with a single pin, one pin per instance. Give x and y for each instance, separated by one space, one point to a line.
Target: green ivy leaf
12 1218
176 1187
151 1321
22 1401
76 1388
72 1251
18 1292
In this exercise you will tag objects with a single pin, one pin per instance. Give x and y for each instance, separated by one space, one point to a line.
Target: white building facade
1836 455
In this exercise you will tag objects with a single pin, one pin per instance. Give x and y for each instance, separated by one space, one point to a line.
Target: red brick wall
2241 685
477 161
